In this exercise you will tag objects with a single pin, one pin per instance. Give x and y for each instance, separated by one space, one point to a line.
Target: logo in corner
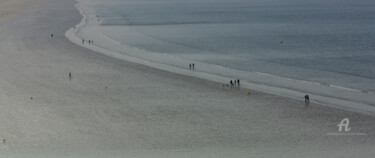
344 123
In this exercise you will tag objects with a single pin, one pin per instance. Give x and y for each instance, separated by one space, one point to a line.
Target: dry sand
12 8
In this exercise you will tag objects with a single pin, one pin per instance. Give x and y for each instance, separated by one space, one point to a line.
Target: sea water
331 42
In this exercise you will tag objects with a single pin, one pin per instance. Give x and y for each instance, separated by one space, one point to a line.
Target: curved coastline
115 108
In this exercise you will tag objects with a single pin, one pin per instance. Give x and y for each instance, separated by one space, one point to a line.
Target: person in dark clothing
193 66
190 66
307 99
231 82
238 82
70 75
51 35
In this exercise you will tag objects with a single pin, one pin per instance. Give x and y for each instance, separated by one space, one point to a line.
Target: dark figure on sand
307 99
70 75
51 35
231 82
238 82
193 66
190 66
83 41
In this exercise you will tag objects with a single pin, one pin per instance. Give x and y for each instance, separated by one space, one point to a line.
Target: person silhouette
307 99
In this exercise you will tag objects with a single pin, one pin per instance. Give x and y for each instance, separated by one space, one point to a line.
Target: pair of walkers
191 66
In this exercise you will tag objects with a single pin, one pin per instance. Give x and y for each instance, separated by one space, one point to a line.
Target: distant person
238 82
190 66
83 41
70 75
231 82
51 35
235 82
193 66
307 99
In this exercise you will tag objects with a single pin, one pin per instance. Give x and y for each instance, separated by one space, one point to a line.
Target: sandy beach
114 108
7 9
12 8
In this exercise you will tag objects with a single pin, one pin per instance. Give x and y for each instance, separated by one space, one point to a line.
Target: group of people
191 66
234 82
90 41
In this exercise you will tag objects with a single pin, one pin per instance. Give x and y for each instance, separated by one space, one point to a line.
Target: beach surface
115 108
12 8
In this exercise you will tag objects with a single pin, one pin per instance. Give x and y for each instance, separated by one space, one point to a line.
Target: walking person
193 66
190 66
238 82
307 99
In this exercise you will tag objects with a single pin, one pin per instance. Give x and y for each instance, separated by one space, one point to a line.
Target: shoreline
329 95
115 108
